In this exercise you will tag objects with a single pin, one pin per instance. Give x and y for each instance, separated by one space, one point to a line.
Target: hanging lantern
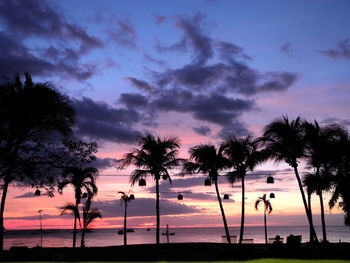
37 192
207 182
132 197
226 196
270 180
272 195
85 195
180 197
142 182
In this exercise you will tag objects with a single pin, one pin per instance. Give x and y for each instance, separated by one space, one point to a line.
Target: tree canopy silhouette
31 114
154 156
208 160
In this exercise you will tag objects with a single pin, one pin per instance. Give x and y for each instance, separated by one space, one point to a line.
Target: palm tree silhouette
267 208
71 208
316 183
79 178
321 148
89 216
154 156
29 112
341 178
126 199
284 140
208 160
243 155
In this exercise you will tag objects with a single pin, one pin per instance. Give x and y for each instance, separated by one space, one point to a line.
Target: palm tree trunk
125 215
157 210
311 239
242 213
323 219
222 213
265 225
2 209
82 243
308 213
75 231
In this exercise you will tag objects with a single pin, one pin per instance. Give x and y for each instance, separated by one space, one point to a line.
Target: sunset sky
199 70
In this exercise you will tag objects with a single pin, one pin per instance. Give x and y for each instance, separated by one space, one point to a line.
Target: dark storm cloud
123 32
193 36
149 58
228 77
219 109
142 85
207 91
277 81
104 163
342 50
202 130
98 120
17 58
133 100
143 207
36 18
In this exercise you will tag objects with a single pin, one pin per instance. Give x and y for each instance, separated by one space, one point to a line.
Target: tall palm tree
89 216
321 150
284 140
154 156
28 113
81 179
126 199
341 179
243 156
316 183
267 209
208 160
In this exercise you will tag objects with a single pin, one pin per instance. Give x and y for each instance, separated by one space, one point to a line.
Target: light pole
41 228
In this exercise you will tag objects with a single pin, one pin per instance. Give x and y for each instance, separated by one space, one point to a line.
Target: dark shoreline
179 252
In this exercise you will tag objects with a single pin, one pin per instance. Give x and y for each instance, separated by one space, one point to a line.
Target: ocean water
109 237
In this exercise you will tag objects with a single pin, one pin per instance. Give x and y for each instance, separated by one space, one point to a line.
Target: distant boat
167 233
148 229
121 231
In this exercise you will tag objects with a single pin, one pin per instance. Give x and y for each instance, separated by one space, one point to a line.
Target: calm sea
109 237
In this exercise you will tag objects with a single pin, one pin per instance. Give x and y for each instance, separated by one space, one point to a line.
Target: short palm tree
89 216
81 179
267 209
243 156
154 156
208 160
71 208
284 140
126 199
